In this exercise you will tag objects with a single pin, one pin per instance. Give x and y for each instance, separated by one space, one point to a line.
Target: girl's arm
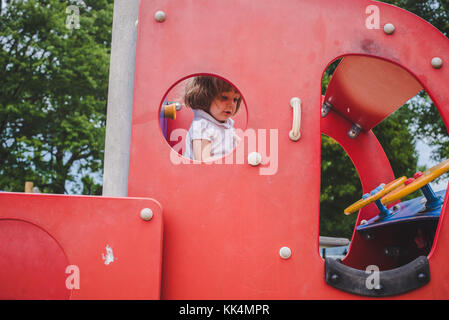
202 149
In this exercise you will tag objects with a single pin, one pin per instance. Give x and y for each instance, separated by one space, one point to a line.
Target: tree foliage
53 82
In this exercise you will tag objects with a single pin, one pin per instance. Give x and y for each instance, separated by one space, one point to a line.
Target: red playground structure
247 226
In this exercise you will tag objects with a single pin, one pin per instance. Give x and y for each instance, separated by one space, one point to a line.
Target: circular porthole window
199 117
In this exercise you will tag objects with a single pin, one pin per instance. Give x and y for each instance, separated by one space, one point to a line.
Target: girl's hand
202 150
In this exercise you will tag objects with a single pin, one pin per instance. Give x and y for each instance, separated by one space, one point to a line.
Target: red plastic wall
51 243
225 224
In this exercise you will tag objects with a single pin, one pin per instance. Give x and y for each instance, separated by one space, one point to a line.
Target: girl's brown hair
200 91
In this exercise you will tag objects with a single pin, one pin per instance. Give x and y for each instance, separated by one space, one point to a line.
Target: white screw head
363 222
285 252
160 16
437 63
389 28
254 159
146 214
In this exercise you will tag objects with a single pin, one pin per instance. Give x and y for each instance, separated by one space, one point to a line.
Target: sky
424 152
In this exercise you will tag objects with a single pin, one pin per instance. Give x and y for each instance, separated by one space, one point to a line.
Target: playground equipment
242 229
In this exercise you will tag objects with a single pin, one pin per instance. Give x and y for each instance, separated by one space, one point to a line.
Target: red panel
31 262
366 90
225 224
118 255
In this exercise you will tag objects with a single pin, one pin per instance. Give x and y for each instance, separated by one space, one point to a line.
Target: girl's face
224 105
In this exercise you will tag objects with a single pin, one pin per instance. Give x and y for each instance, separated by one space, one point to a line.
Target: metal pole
120 98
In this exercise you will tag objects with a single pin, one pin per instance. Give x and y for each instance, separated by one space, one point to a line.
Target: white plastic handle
295 133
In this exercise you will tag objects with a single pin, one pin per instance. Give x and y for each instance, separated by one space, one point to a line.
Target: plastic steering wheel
364 202
428 176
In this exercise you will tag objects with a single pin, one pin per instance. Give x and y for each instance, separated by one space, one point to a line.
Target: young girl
211 134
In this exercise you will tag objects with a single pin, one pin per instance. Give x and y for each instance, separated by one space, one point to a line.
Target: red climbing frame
225 224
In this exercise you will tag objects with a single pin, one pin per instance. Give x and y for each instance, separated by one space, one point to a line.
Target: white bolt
363 222
254 159
146 214
285 252
389 28
437 63
160 16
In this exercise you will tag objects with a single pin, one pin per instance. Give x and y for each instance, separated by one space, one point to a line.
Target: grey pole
120 98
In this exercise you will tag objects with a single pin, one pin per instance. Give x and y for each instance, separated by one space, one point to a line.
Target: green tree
340 187
53 81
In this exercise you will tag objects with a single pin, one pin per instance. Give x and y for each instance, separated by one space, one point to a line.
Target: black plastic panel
391 282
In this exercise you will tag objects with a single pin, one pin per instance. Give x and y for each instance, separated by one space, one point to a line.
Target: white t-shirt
221 134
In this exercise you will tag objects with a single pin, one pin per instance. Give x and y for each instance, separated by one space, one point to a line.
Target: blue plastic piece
163 121
433 202
376 190
410 210
383 211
